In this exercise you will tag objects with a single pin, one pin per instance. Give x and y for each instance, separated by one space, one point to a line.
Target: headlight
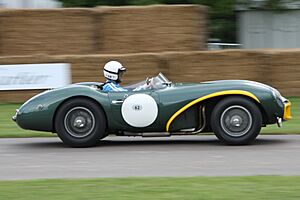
14 118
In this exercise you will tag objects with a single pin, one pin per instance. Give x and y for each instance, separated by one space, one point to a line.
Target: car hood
226 83
221 85
238 82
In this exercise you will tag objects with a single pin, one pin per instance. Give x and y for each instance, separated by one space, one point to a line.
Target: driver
113 71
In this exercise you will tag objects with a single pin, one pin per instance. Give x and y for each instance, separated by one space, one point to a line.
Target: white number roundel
139 110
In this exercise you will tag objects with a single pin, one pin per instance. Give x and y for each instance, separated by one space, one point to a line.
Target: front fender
39 111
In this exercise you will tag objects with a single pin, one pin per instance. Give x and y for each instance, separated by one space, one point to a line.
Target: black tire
80 122
236 120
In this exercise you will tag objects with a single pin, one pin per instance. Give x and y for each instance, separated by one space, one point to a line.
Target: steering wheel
149 82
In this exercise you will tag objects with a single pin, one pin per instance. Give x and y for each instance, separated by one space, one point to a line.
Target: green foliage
267 4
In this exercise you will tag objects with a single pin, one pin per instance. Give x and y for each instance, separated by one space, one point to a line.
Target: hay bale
215 65
48 31
139 66
85 69
104 30
17 96
157 28
278 69
284 71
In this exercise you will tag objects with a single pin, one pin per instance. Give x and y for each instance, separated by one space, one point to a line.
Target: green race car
82 114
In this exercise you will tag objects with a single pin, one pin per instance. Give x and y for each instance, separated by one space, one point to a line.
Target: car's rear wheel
80 122
236 120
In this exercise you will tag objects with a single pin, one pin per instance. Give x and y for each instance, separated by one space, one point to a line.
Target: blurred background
188 40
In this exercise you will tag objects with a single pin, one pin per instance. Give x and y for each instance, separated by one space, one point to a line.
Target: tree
267 4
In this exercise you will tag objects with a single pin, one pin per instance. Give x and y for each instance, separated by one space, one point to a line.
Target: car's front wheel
236 120
80 122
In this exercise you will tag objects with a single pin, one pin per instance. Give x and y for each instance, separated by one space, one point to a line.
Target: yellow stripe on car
221 93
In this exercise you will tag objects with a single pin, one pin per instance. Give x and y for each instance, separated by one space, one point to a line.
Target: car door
136 111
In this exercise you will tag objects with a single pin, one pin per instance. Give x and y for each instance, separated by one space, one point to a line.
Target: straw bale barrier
155 28
284 71
207 66
54 31
102 30
279 69
84 69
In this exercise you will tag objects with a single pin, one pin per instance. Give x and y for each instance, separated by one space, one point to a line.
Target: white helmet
112 70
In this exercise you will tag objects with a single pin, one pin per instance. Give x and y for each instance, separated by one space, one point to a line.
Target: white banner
34 76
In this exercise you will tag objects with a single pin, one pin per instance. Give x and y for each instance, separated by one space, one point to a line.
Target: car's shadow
112 142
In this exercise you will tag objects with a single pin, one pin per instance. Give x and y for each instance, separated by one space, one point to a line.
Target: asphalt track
35 158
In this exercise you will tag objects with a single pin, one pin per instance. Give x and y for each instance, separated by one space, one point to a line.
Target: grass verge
225 188
9 129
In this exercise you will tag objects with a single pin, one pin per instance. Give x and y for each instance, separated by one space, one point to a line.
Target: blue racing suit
112 86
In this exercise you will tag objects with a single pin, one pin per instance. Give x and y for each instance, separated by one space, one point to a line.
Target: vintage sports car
82 114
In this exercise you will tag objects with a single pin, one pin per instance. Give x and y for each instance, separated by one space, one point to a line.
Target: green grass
9 129
212 188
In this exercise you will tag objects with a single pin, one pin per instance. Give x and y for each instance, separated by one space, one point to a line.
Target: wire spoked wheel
236 120
80 122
